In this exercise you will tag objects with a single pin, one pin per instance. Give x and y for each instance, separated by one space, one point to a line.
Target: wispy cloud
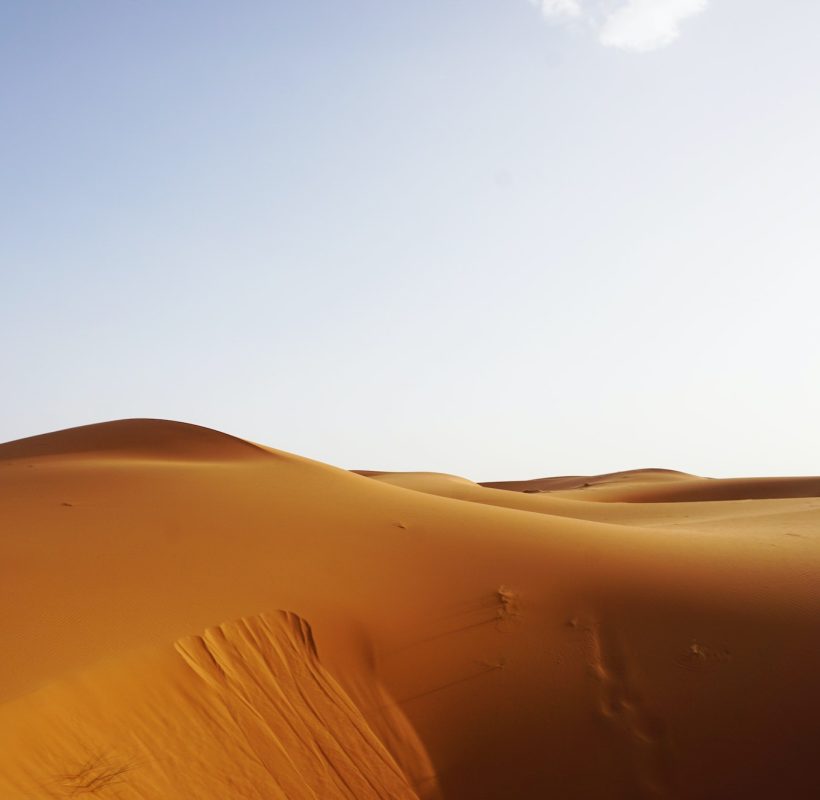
637 25
559 8
647 24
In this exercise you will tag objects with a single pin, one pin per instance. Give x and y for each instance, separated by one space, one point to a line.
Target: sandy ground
188 615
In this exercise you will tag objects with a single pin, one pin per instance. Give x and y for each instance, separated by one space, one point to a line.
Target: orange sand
188 615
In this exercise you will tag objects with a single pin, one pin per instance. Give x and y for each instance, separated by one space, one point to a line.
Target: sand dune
651 634
244 710
135 438
665 486
582 481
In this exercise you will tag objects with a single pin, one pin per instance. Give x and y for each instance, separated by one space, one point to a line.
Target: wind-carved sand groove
621 705
244 711
292 713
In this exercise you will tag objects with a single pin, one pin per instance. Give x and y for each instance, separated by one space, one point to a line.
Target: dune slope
473 642
244 710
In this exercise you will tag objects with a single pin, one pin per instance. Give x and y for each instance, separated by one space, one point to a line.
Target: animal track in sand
508 603
507 607
699 657
500 663
621 705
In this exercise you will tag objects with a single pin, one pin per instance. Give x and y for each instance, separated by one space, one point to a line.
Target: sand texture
184 614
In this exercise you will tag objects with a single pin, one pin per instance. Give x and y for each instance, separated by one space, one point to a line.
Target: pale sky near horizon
499 238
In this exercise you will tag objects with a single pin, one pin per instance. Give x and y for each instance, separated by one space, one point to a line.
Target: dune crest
135 438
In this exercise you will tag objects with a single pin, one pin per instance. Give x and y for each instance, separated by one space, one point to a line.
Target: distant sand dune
693 490
665 486
651 634
582 481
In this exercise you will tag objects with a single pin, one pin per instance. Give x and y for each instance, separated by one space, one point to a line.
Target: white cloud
647 24
558 8
638 25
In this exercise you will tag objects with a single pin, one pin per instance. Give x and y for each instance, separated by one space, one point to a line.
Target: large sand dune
188 615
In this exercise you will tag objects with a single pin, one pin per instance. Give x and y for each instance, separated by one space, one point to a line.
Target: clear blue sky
502 238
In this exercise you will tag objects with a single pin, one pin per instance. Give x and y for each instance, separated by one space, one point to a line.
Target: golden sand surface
184 614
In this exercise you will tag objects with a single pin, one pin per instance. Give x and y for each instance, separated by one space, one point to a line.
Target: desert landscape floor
187 615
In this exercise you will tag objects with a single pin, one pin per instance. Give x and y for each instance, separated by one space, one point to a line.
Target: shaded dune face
473 642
